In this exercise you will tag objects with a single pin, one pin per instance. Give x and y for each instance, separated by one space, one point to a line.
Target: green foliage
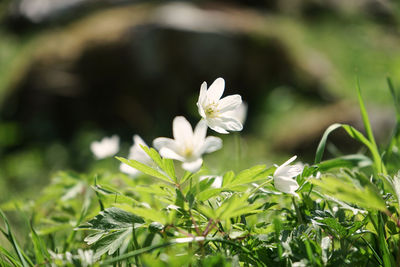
346 210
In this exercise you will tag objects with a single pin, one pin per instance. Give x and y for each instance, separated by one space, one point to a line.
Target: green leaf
7 233
112 219
357 135
348 161
208 193
113 227
364 115
387 257
167 165
145 169
41 252
10 257
322 143
233 206
396 188
169 168
227 179
111 242
149 214
247 176
345 189
335 227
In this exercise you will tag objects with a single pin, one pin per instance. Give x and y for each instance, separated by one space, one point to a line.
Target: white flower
137 153
215 111
217 180
240 113
107 147
86 257
284 176
187 146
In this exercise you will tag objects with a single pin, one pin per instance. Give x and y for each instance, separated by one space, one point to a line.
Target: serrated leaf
113 226
153 154
227 179
333 225
208 193
247 176
112 219
169 168
111 242
145 169
93 238
149 214
167 165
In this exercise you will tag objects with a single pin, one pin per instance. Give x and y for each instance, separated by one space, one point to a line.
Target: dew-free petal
193 166
216 90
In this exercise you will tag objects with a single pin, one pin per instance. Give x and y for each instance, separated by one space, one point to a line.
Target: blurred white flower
137 153
86 257
215 111
217 180
284 176
187 146
107 147
240 113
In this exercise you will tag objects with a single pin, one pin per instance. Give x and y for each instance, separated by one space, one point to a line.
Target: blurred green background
74 71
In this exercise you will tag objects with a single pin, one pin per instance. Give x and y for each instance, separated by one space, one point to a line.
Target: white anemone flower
215 111
107 147
284 176
137 153
187 146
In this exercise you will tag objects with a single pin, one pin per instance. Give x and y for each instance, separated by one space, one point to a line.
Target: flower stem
136 245
298 214
238 151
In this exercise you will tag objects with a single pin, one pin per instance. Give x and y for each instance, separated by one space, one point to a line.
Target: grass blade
21 255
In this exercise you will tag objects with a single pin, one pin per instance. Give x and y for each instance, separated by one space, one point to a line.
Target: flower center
212 111
187 152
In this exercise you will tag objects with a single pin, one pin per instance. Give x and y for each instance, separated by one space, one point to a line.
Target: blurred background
74 71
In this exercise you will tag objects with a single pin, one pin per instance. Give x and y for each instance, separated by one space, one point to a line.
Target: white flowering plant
164 206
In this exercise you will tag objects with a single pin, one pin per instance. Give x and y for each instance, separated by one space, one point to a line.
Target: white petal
212 144
231 124
203 94
239 113
216 90
182 130
229 103
217 182
137 140
170 154
128 170
200 133
290 171
107 147
285 185
161 142
192 166
201 111
281 168
136 151
216 126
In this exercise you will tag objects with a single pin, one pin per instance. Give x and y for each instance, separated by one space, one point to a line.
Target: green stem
237 151
298 214
136 245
